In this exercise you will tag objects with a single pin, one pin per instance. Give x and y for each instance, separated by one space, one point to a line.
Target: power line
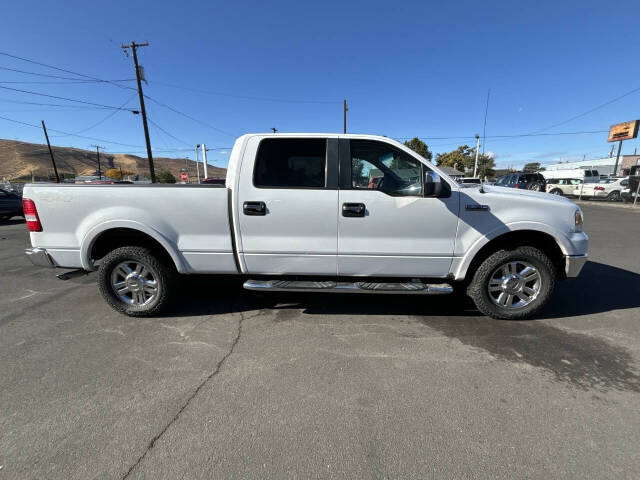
590 110
38 74
189 116
71 134
23 102
247 97
167 133
101 121
62 69
68 82
467 137
65 98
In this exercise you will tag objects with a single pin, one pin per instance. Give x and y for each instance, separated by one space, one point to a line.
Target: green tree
464 158
165 176
531 167
419 147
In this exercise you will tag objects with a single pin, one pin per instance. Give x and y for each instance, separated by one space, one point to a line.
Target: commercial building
604 166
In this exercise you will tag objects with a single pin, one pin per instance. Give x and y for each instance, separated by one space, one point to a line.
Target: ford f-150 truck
314 212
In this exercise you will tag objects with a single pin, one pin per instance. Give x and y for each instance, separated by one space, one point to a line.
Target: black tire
161 270
556 191
614 196
478 288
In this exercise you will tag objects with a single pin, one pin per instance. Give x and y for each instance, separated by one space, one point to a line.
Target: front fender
566 244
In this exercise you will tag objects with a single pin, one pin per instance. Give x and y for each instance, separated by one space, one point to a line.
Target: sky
216 70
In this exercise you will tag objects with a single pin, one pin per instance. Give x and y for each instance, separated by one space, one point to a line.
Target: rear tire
136 282
614 196
500 288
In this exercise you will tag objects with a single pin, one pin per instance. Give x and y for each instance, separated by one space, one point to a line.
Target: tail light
31 215
598 188
515 186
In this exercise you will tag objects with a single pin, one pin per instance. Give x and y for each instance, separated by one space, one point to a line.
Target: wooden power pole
53 160
344 116
134 46
98 147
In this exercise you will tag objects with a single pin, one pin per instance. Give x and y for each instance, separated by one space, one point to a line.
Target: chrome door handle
353 209
254 208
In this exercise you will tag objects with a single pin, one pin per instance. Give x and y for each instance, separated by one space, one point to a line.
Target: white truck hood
518 192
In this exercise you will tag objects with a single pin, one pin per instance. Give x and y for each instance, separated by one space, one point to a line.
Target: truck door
288 205
386 226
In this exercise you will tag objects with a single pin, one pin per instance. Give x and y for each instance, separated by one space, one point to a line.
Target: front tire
556 191
513 284
136 282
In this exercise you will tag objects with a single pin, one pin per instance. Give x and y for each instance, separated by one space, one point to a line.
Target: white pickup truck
313 212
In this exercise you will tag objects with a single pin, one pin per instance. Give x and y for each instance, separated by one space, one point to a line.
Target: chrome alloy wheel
134 282
514 285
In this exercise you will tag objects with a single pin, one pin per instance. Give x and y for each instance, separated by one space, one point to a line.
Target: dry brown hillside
21 160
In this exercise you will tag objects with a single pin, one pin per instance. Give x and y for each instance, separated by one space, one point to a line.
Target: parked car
608 188
10 205
525 181
563 186
298 213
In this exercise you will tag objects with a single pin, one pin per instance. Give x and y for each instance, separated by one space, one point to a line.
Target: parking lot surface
235 385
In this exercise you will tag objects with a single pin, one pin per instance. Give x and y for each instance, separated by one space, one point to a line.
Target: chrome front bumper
39 257
573 264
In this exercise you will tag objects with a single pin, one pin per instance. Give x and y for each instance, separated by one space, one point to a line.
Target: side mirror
434 186
429 184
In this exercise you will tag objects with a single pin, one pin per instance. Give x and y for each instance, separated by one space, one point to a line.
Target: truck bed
192 219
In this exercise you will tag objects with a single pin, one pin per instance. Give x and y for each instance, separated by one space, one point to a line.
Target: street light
475 168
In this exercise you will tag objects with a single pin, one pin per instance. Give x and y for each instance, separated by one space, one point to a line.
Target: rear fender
91 236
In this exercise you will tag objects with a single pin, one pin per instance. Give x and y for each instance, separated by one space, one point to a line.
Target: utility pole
53 160
204 160
197 163
98 147
475 168
615 168
133 46
345 109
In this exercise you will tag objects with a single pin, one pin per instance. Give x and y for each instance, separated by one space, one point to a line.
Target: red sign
183 176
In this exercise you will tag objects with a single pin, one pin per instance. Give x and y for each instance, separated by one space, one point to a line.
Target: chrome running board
348 287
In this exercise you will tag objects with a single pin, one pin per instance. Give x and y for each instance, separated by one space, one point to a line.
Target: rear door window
291 163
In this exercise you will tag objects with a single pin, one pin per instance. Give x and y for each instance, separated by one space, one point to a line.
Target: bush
165 176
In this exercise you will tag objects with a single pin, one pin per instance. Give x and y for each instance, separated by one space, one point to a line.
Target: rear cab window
291 163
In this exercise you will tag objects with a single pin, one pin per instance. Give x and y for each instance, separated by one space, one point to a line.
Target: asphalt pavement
232 384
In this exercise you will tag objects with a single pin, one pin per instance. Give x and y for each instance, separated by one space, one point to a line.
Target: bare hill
21 160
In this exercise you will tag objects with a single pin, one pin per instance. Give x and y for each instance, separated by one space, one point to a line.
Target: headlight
578 221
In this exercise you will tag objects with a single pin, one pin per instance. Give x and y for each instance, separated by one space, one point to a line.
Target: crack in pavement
215 371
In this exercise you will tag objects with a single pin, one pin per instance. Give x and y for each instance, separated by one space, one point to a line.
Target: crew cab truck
314 212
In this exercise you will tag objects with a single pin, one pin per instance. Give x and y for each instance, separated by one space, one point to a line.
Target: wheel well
508 241
120 237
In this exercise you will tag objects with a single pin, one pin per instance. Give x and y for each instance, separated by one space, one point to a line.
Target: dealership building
604 166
